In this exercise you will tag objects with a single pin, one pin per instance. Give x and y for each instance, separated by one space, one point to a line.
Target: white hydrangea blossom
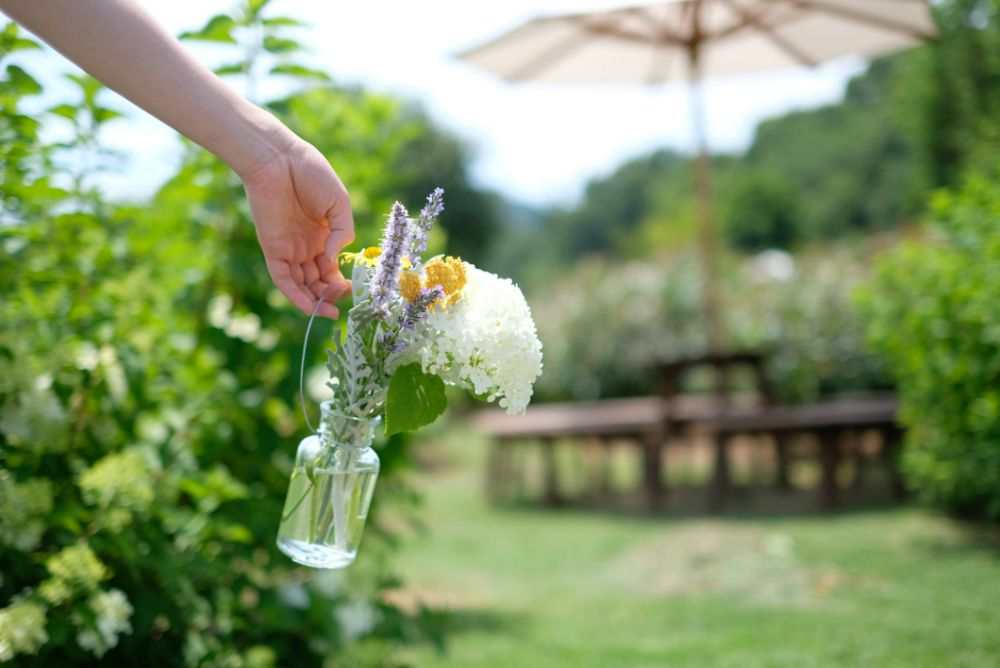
111 618
485 342
22 629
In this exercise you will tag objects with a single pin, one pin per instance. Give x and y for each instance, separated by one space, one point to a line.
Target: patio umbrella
689 40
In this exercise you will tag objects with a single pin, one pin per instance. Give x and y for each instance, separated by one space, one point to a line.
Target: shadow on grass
691 503
439 625
966 537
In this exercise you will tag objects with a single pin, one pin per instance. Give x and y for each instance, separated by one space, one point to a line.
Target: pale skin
300 207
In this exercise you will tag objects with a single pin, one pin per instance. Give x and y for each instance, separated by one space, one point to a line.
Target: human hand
303 217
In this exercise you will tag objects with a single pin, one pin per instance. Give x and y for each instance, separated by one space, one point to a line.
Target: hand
303 216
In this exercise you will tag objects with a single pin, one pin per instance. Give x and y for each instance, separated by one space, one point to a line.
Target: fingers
330 275
310 272
282 274
341 222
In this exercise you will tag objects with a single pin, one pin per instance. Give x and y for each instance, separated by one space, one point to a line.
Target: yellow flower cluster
448 272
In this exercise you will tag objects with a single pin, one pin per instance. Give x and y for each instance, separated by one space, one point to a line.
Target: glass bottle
330 491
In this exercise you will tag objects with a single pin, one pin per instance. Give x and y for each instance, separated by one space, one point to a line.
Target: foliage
264 46
761 212
954 90
932 310
854 165
148 398
604 325
415 399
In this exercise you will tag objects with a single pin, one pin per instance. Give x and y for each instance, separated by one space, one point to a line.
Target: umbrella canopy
654 44
687 40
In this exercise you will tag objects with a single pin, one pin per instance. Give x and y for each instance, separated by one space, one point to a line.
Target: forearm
119 44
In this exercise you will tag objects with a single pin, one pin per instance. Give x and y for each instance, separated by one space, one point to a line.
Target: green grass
530 587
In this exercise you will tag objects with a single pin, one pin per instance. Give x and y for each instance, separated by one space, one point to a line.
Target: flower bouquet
414 327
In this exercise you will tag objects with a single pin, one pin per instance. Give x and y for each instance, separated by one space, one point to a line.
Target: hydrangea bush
147 404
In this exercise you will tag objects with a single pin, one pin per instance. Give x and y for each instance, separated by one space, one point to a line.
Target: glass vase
329 492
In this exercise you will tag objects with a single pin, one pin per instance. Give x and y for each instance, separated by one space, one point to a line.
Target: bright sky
536 143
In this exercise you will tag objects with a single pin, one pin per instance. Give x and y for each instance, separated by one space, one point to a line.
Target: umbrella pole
707 232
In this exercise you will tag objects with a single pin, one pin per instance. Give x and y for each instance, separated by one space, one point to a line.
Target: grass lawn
530 587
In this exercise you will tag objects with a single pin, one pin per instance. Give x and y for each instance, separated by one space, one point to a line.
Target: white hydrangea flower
357 618
111 618
485 342
22 629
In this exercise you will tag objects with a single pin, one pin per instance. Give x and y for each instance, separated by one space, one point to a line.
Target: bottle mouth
349 430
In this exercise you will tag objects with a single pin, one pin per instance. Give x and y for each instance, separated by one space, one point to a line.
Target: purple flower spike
397 239
418 309
430 213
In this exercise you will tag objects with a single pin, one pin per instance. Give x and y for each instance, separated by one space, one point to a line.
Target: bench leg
494 471
551 493
607 461
829 457
856 441
652 449
781 458
719 489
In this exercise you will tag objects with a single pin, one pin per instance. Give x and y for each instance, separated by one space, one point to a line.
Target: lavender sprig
418 309
396 242
413 312
430 212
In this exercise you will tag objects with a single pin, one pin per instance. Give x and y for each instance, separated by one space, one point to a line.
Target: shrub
932 310
760 212
148 408
605 324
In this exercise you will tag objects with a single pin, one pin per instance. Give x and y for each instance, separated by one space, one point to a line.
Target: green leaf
67 111
274 44
11 40
283 21
88 85
415 400
255 7
21 81
234 68
104 114
218 29
300 71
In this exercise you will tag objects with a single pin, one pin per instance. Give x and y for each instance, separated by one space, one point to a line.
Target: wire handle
302 364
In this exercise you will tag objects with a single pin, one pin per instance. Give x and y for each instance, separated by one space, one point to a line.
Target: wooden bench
639 422
828 421
649 424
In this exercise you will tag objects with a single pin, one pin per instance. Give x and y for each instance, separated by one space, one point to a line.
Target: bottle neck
337 429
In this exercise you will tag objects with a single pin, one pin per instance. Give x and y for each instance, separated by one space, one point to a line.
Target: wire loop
302 364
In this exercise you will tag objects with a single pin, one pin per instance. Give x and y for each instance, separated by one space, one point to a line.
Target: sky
535 143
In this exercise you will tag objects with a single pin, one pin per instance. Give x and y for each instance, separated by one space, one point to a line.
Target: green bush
148 397
760 212
933 314
605 324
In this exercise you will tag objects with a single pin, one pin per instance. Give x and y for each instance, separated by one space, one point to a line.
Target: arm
301 209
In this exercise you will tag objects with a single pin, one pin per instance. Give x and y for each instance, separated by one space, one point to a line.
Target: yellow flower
368 256
409 285
449 273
